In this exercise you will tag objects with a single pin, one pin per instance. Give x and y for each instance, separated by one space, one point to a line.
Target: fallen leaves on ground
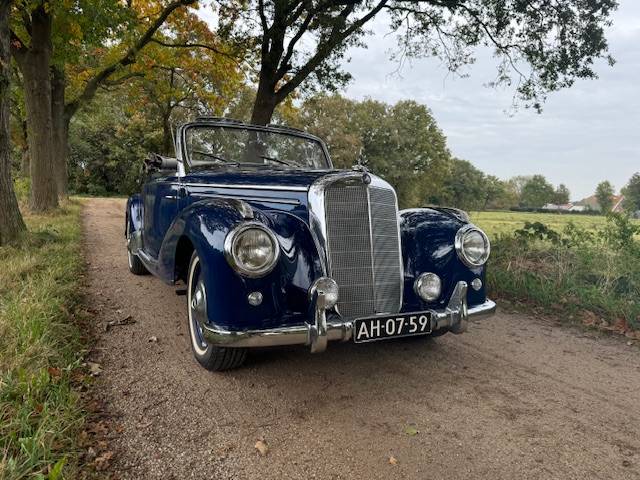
128 320
103 461
262 447
94 368
620 326
411 430
393 460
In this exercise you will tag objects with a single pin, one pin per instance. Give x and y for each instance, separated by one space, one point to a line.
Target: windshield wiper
271 159
215 157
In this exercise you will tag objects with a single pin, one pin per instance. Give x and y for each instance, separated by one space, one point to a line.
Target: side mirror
155 162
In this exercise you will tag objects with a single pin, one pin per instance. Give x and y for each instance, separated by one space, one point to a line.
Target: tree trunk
24 163
265 103
60 131
24 152
35 66
11 223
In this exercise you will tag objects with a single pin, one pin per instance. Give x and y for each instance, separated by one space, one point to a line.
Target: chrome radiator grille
363 248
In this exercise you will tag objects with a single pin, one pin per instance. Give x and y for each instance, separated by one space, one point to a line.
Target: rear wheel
210 357
135 264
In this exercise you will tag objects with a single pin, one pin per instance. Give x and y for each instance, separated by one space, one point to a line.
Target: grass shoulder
583 268
41 348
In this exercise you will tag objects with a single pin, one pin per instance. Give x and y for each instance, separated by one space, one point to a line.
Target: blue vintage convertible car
276 247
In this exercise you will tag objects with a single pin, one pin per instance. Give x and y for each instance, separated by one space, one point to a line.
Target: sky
586 134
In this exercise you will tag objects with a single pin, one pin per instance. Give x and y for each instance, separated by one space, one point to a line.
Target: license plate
380 328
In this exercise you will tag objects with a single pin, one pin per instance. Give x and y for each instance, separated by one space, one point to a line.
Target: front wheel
210 357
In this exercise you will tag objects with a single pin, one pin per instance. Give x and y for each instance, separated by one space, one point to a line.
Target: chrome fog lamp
428 287
473 246
327 290
252 249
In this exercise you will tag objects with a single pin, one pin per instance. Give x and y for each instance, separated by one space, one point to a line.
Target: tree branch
189 45
127 59
204 46
335 37
122 79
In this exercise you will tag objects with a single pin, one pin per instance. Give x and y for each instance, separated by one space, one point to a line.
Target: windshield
218 145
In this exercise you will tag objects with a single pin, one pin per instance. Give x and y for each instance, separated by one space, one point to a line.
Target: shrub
572 271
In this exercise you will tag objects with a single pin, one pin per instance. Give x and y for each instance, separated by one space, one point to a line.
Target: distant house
618 200
565 207
552 207
591 203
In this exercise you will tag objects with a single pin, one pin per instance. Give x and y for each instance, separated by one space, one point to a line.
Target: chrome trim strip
452 317
248 199
239 186
398 219
373 261
178 146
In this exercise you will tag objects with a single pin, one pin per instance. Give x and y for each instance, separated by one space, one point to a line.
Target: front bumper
454 317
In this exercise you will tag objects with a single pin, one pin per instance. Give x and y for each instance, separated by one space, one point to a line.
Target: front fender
428 237
206 224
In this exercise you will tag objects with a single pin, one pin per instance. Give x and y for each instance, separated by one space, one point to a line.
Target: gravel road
515 397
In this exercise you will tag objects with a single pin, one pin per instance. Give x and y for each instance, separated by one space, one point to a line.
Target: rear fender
133 222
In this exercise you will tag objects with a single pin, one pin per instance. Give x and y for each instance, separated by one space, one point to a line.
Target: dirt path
513 398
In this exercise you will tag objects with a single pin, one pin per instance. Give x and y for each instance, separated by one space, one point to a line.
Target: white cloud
586 134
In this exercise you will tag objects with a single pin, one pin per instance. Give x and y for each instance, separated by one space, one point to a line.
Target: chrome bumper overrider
454 317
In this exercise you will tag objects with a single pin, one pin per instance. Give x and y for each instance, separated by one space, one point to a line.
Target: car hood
247 178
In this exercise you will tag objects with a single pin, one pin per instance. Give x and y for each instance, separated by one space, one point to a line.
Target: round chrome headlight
428 287
252 249
472 245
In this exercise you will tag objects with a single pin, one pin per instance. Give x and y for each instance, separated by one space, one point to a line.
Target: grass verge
41 348
589 274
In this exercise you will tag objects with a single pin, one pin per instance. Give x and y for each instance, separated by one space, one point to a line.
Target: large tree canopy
95 41
401 142
604 194
537 192
541 45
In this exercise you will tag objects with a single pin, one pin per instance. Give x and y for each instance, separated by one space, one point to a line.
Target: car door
160 196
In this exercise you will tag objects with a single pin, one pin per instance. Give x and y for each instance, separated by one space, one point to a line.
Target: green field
495 223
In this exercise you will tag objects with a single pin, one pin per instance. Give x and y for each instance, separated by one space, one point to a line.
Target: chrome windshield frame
181 138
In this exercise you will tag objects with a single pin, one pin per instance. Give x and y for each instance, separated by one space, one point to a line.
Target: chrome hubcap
197 308
129 254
